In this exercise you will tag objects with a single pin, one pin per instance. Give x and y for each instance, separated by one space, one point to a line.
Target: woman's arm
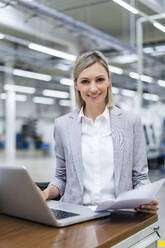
50 192
57 186
59 180
140 167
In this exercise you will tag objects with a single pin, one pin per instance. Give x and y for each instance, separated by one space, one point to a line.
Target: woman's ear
75 85
109 82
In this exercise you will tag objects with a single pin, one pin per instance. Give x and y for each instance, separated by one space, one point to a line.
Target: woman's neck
93 111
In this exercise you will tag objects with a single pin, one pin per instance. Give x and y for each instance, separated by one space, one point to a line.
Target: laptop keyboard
62 214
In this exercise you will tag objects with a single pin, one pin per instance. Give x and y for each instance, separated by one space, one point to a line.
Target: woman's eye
100 79
84 81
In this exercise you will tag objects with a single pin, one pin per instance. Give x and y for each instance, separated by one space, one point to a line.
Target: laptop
20 197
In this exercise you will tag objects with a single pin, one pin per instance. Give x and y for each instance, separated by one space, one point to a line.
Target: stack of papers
133 198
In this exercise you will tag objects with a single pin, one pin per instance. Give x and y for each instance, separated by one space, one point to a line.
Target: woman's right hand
44 193
50 192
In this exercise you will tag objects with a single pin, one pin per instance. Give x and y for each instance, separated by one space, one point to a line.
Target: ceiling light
30 74
144 78
52 52
65 103
3 96
66 81
159 26
129 93
127 6
148 50
56 93
160 48
2 36
43 100
161 83
125 59
156 53
151 97
115 69
134 75
62 67
115 90
20 98
12 87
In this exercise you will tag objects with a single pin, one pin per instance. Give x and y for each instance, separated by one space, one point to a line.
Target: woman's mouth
94 96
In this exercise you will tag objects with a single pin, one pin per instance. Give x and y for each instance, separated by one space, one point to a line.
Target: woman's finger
154 207
149 211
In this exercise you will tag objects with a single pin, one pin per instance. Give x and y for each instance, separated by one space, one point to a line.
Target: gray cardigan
130 162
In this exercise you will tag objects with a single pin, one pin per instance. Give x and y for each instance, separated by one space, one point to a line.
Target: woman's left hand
151 207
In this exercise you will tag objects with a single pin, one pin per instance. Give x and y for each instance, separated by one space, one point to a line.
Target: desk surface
104 232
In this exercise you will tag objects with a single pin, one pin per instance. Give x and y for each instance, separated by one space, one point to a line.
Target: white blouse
97 157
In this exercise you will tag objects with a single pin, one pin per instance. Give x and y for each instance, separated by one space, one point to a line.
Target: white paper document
133 198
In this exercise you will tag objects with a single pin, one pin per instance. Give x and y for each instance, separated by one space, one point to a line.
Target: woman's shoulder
127 115
63 119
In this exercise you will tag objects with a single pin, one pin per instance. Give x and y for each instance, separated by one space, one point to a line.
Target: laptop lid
19 197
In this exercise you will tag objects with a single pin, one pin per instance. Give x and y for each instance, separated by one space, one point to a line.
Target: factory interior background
39 41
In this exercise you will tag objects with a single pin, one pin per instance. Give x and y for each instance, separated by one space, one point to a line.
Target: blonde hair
82 62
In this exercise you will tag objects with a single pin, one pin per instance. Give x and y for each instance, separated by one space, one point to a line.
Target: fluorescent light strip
129 93
134 75
3 96
125 58
159 26
65 103
127 6
55 93
12 87
157 53
19 98
144 78
115 69
30 74
66 81
151 97
2 36
161 83
160 48
43 100
62 67
148 50
52 52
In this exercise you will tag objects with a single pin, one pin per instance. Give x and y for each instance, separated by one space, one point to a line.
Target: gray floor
42 168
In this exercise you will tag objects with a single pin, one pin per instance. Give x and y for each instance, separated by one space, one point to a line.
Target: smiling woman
82 68
100 149
93 83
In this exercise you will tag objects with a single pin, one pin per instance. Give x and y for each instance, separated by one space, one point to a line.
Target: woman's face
93 83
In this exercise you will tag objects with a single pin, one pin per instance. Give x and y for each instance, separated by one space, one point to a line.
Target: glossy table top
104 232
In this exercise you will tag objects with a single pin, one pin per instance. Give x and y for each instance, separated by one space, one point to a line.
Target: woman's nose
93 87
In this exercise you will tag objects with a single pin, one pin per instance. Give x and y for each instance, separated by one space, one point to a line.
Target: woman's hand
151 207
44 193
50 192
